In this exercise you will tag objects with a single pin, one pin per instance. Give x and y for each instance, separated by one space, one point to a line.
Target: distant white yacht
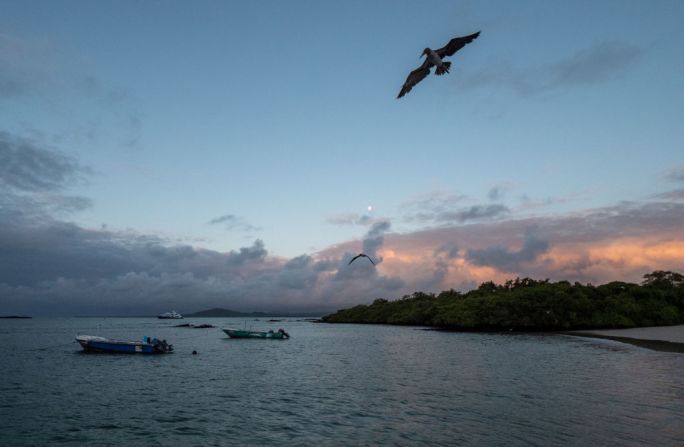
173 315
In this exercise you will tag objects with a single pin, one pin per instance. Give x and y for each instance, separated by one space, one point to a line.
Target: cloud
503 258
444 208
597 64
434 201
476 212
373 240
675 194
371 243
51 267
33 181
448 249
233 222
620 242
675 174
24 166
443 255
498 192
33 74
353 219
460 216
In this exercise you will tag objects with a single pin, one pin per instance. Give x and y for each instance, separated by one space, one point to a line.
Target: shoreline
658 338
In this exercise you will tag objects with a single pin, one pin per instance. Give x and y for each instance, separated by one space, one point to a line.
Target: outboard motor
162 346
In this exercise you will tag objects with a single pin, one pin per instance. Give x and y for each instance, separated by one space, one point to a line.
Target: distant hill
218 312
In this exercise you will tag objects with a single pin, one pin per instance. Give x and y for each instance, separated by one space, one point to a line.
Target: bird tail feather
443 69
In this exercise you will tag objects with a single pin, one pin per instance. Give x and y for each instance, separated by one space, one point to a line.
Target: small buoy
194 352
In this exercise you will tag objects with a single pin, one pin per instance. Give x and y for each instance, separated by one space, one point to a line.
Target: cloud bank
57 268
49 266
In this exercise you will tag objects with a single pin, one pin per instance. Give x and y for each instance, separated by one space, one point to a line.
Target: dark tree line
525 304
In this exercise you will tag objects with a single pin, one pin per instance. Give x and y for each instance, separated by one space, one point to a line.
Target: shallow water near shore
332 385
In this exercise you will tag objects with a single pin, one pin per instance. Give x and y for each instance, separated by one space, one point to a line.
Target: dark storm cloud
505 259
233 222
599 63
25 166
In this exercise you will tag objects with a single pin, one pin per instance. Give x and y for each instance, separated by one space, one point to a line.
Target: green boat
280 334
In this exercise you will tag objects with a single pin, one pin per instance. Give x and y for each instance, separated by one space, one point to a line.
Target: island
533 305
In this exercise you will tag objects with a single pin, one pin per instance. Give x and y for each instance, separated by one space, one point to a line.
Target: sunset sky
166 155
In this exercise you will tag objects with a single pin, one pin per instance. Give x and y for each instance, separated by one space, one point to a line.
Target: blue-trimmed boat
280 334
93 343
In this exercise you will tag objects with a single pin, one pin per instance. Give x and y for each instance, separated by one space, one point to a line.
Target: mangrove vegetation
533 305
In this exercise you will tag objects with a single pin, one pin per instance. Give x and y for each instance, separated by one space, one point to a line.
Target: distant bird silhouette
361 255
433 58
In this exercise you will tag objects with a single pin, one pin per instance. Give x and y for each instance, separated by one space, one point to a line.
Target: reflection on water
333 385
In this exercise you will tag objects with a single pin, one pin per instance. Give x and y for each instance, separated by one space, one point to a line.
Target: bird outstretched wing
415 77
361 255
456 44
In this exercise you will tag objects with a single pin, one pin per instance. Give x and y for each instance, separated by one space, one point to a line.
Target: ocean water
332 385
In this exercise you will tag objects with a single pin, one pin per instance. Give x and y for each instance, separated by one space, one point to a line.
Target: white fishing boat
173 315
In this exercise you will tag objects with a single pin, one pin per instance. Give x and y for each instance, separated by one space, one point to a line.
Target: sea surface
332 385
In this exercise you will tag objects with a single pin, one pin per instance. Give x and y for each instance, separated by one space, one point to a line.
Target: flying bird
361 255
434 58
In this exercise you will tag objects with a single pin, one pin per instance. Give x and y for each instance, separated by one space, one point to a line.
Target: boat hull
238 333
103 345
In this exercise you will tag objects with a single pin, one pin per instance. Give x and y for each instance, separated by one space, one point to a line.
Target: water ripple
335 385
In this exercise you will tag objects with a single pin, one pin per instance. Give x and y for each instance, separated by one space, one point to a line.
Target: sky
159 155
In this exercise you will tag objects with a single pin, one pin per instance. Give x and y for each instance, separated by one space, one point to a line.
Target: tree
660 278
